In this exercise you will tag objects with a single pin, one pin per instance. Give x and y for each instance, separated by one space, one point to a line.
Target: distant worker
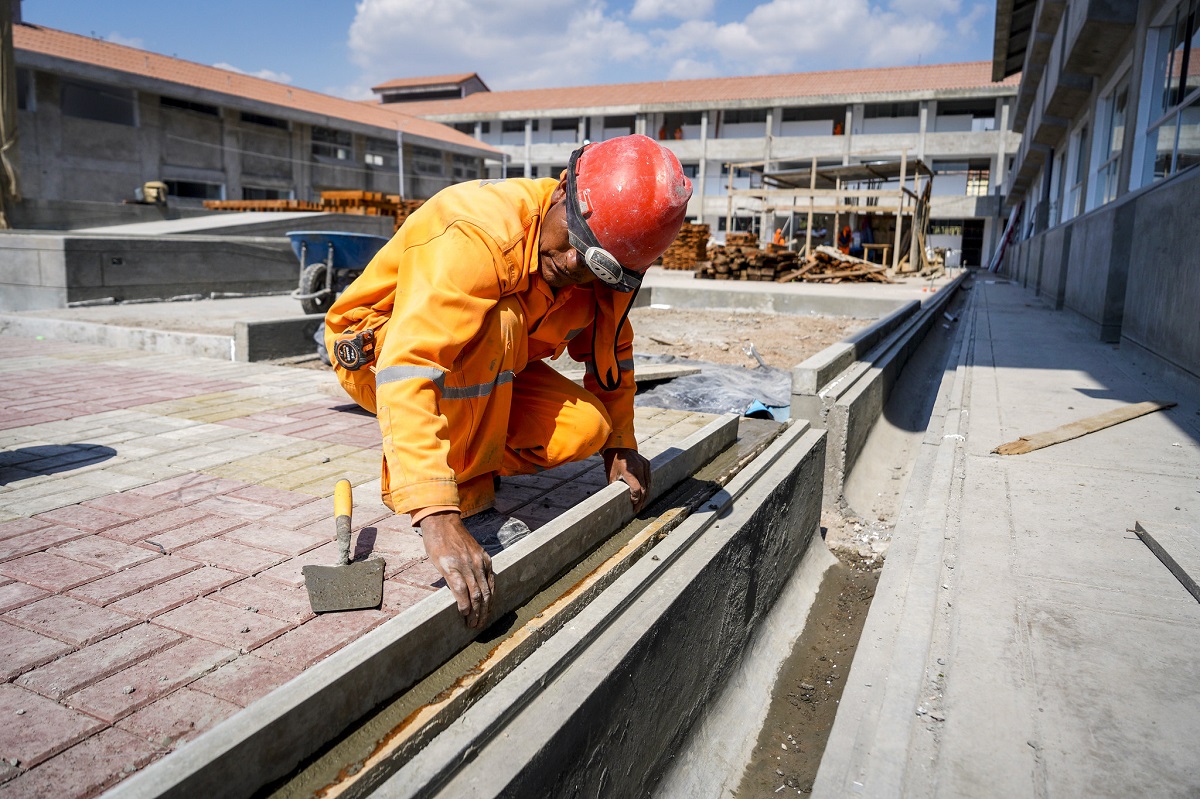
845 239
444 335
778 238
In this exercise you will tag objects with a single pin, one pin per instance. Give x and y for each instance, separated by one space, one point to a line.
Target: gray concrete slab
1024 641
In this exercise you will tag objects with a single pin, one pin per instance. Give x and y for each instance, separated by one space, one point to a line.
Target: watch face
348 354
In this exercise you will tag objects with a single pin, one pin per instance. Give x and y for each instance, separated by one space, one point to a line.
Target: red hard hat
633 194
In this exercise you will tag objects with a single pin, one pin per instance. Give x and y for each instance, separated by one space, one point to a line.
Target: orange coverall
462 321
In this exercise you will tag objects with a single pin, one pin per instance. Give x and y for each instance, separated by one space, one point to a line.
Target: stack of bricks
363 203
689 247
262 205
742 259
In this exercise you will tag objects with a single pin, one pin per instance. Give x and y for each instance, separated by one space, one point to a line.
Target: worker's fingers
462 595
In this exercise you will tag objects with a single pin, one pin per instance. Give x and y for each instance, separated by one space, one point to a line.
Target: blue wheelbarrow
329 261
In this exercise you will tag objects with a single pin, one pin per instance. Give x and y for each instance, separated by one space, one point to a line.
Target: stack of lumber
365 203
742 259
689 247
831 265
262 205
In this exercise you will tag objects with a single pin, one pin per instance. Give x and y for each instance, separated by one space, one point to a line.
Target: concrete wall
1129 267
48 271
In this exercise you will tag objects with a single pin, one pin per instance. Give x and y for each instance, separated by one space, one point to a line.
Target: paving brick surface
42 729
126 583
201 529
81 668
37 540
22 650
133 688
171 594
69 620
14 595
275 539
149 526
83 517
399 596
133 505
85 769
231 555
189 488
20 526
50 572
319 638
244 680
266 596
103 553
178 717
222 623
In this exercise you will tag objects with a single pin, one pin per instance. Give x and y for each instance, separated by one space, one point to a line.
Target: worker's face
560 264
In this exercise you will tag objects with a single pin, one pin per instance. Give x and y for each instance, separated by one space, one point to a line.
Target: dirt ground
809 688
723 336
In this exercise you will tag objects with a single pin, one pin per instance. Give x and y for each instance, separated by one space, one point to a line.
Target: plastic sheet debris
720 388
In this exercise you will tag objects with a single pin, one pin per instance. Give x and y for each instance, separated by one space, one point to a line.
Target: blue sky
344 48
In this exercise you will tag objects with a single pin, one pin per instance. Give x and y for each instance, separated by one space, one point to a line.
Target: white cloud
128 41
265 74
680 9
518 44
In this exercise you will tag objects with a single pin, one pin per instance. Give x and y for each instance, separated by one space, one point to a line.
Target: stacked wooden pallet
689 247
742 259
262 205
830 265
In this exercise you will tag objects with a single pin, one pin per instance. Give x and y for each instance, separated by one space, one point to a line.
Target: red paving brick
22 650
268 597
84 769
81 517
303 515
149 526
51 572
421 573
128 582
127 503
91 664
396 547
275 497
223 624
244 680
188 534
399 596
45 728
189 488
150 679
178 717
232 506
104 553
317 639
289 572
69 620
37 540
173 593
275 539
20 526
14 595
232 556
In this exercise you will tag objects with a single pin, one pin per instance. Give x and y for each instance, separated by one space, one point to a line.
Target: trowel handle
343 505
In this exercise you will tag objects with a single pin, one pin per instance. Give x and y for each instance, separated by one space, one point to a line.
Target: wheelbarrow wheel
312 280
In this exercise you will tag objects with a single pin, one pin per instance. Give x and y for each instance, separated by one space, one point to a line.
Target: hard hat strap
599 260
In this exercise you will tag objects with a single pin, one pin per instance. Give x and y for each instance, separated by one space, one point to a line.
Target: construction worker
444 335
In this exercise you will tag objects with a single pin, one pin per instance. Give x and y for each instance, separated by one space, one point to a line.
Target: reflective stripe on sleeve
393 374
478 390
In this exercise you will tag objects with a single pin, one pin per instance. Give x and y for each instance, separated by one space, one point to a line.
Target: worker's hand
630 467
464 564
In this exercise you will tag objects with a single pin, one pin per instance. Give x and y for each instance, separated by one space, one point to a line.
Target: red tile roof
96 52
433 80
799 85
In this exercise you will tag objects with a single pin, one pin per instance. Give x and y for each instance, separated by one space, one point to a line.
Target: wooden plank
1079 428
1178 547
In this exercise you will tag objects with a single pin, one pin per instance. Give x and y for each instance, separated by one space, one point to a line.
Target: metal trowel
345 586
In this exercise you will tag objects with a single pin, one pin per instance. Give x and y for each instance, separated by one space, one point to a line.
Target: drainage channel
359 760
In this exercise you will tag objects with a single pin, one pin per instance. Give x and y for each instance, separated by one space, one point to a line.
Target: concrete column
301 169
581 134
928 109
478 130
1000 180
528 148
702 174
231 155
639 124
853 113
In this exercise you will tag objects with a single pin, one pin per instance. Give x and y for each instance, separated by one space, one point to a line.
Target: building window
465 127
680 126
565 123
979 175
1111 137
188 105
737 116
428 162
195 190
1078 166
263 193
1173 133
618 126
512 126
381 153
98 103
25 100
265 121
891 110
465 167
982 113
332 144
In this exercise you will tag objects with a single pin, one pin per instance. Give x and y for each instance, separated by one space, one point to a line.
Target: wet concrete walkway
1024 641
155 513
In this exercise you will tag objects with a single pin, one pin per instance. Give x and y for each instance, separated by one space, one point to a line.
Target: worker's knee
583 433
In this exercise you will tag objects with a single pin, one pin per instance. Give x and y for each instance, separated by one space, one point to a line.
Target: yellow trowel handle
343 505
